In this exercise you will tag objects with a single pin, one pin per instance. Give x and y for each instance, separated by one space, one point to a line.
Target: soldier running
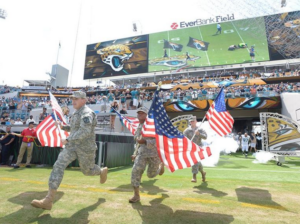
145 153
199 134
79 145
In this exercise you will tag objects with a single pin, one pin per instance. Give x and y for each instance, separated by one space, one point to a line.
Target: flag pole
205 116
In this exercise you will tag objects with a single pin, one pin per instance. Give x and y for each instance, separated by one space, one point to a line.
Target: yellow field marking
263 206
205 201
35 182
67 186
150 196
9 179
101 190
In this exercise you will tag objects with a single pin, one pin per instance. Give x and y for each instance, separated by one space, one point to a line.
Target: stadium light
3 14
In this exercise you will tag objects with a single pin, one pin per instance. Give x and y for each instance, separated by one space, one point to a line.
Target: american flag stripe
132 126
181 155
173 155
148 129
175 146
168 144
219 119
56 108
48 134
217 123
161 153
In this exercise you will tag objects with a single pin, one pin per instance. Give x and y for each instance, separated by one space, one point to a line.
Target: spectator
18 121
66 112
44 114
114 108
6 142
123 112
123 98
110 97
253 142
4 118
128 98
30 119
134 99
28 135
24 105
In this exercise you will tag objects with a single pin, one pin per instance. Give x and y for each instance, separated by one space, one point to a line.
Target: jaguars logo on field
115 56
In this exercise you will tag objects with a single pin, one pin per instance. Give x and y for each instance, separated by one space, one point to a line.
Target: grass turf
233 33
236 191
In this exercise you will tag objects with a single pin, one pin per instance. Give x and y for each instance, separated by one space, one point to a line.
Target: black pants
5 153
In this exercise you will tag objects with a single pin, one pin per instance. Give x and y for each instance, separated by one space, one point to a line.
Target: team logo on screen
115 56
171 45
198 44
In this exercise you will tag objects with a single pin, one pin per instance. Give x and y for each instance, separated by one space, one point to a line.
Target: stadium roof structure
38 82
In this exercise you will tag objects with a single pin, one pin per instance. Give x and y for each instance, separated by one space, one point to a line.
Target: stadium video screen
117 57
204 46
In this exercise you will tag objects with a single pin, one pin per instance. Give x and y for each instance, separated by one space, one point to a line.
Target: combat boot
45 203
103 175
161 169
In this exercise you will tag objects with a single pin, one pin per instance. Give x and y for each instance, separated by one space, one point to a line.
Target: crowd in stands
131 96
8 89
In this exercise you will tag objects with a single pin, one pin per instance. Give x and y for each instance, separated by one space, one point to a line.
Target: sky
33 29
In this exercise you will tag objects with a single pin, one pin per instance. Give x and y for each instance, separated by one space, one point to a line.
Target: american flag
48 134
56 108
130 122
218 117
174 149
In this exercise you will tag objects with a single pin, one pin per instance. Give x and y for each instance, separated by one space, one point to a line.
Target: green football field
236 191
233 33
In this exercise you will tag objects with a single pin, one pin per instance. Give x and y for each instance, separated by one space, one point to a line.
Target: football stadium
182 112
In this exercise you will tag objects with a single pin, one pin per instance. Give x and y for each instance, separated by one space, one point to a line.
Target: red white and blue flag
218 117
174 149
47 133
131 123
56 108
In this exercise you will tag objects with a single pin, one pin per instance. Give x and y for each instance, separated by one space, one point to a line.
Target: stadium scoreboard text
199 22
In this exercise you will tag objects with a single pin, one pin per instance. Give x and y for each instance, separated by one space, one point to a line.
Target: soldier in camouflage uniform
79 145
145 153
199 134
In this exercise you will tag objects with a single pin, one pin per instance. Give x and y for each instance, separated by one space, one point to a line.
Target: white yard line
203 40
251 170
239 35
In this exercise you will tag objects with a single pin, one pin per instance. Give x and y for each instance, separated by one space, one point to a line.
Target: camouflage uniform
145 154
189 133
81 145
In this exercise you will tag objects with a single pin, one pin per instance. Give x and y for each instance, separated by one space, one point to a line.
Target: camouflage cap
142 109
78 94
193 118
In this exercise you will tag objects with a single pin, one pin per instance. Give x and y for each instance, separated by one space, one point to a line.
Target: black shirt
123 111
7 139
5 119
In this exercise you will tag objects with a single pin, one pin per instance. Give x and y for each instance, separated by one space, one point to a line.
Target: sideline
250 170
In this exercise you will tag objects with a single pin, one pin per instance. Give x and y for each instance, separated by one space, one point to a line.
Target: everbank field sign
199 22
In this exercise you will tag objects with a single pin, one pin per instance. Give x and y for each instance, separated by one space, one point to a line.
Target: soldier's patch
86 120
